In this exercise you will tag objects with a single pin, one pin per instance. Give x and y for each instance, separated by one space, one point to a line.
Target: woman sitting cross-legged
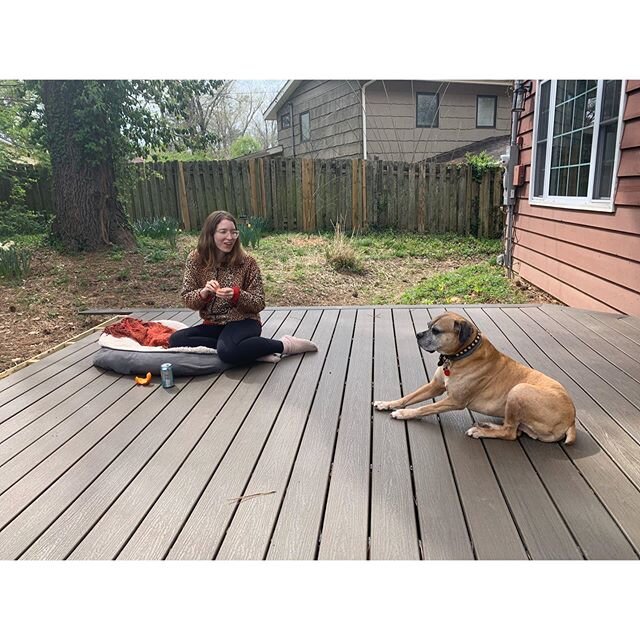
224 283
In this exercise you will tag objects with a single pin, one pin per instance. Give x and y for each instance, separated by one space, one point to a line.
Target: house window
427 107
576 139
305 127
285 120
486 108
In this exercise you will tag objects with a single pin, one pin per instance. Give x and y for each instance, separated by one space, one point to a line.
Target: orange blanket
148 334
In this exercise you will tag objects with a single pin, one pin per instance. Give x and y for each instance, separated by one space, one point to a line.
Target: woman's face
225 236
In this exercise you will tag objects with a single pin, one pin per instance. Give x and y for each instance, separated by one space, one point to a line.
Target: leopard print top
245 275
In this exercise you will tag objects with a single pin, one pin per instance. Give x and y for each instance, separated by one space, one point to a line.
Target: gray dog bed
124 355
140 362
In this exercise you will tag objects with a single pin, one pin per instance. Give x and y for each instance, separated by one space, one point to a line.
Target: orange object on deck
145 380
148 334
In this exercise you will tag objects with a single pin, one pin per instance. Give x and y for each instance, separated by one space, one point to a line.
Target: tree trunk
88 214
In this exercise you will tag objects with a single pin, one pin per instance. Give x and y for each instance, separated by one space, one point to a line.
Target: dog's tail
570 436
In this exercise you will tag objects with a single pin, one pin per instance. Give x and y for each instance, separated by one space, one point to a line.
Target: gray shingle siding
336 119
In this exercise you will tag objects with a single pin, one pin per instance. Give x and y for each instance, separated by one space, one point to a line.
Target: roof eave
272 110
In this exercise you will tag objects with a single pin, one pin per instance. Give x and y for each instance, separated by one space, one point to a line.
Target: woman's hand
209 289
225 293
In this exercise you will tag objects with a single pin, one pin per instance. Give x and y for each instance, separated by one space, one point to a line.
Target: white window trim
566 202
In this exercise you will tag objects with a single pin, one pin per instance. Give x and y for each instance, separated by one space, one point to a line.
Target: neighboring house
576 226
409 120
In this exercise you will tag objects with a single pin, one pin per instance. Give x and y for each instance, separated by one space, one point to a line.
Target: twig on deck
251 495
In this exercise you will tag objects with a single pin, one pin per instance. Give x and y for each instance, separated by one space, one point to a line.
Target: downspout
293 130
364 119
510 194
364 153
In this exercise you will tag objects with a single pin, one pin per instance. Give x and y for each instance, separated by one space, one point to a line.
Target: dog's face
446 334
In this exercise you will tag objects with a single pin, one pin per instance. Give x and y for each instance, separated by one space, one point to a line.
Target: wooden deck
289 461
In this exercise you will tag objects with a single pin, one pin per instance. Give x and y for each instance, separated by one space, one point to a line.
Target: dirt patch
43 312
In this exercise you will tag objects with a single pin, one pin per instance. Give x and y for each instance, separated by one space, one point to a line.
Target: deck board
345 530
494 533
204 529
115 505
543 530
297 532
290 461
444 534
394 532
603 478
249 533
154 537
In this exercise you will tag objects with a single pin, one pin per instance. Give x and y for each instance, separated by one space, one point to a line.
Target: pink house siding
585 259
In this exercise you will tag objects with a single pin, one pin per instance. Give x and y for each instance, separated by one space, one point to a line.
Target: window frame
495 112
436 124
302 138
588 203
284 115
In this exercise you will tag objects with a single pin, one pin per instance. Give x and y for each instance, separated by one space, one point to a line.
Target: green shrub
243 145
251 230
15 261
162 228
18 220
480 164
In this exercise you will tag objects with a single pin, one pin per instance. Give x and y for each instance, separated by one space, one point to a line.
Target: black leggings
236 342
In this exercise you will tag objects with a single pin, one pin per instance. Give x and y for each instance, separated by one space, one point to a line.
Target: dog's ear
464 329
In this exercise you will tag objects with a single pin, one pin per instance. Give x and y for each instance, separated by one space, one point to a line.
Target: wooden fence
35 181
309 195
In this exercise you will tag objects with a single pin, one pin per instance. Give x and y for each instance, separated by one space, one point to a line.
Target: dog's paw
401 414
474 432
382 405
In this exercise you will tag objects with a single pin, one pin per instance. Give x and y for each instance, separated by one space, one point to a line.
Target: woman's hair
208 254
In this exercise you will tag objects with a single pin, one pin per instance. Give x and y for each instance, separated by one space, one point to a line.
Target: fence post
356 196
308 201
182 199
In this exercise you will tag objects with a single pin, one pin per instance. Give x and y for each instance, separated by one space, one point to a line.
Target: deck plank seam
606 327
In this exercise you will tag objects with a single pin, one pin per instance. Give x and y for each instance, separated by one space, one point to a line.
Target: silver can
166 375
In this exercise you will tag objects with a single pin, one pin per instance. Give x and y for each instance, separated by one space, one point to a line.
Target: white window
576 140
486 107
305 127
427 107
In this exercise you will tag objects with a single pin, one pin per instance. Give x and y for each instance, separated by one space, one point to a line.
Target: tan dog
477 376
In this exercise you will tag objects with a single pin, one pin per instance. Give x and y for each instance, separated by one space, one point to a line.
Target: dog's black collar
467 351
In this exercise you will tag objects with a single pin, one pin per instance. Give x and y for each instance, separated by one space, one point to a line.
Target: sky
254 40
